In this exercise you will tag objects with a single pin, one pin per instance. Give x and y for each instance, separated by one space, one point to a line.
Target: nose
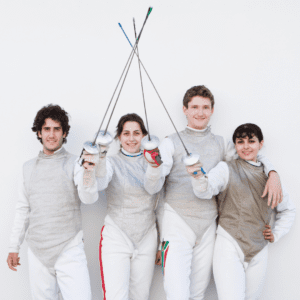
200 111
246 145
51 134
131 137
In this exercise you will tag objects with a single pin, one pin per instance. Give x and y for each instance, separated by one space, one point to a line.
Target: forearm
88 193
155 177
268 166
215 182
285 216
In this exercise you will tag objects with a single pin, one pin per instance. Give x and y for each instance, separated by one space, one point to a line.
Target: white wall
72 53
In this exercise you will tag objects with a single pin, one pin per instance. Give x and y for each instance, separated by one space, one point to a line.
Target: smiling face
131 137
198 112
52 136
247 149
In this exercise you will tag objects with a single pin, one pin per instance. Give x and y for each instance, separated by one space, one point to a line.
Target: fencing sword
103 137
189 158
151 142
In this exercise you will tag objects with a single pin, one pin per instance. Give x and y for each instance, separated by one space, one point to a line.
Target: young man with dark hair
188 228
49 207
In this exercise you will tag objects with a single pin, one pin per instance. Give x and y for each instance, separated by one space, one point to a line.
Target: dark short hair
199 90
130 118
54 112
247 130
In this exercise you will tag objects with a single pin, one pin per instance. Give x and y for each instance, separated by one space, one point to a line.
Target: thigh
177 266
72 274
43 284
255 274
229 273
201 268
114 256
142 267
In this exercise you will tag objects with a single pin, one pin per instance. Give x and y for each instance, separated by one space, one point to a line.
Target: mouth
247 153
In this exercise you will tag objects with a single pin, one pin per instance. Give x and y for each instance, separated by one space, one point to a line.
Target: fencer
244 230
128 239
49 207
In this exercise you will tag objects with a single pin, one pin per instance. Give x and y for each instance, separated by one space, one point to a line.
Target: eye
240 142
251 141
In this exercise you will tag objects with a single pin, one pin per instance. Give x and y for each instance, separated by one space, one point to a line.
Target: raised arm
93 176
155 176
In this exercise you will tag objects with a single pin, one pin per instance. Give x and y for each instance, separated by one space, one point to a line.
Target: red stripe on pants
165 258
101 265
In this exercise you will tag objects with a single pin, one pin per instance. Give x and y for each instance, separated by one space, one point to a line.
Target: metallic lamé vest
243 213
197 213
128 203
55 216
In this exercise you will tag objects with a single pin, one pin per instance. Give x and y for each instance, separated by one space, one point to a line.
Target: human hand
89 160
273 189
268 234
153 157
158 258
195 170
13 260
103 151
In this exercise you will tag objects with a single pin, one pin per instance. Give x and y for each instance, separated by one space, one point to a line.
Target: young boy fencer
244 231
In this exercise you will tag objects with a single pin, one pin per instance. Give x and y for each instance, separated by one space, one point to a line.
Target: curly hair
199 90
130 118
247 130
54 112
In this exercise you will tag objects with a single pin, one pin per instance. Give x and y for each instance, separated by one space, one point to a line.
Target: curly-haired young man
49 207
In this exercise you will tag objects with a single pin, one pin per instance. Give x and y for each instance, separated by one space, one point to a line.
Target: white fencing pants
72 276
234 278
187 263
126 272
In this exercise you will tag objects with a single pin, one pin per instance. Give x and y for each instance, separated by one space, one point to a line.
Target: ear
212 110
39 134
64 135
261 144
184 110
